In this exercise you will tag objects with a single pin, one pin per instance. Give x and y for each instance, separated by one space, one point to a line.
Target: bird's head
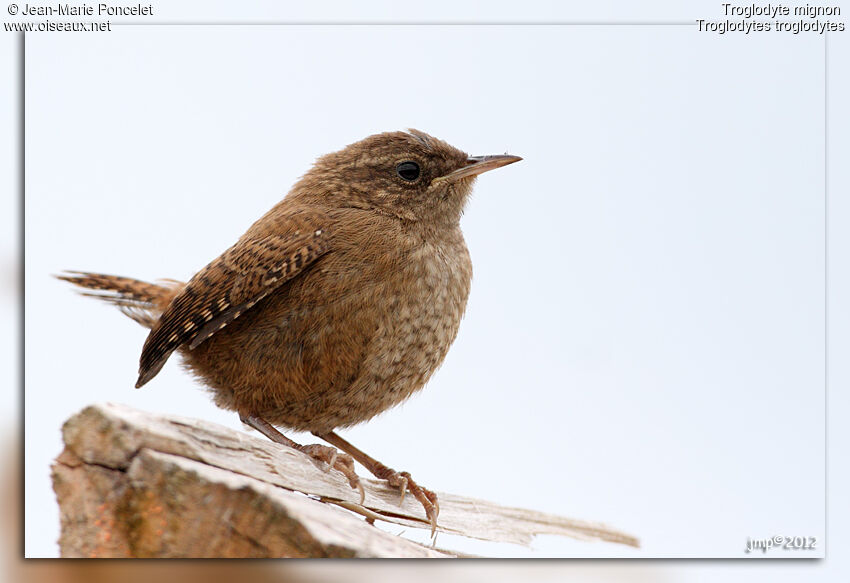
410 175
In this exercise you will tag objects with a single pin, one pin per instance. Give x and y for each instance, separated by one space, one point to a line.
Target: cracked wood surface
135 484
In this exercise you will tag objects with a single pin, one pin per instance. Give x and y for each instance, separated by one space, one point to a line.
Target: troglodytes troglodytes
339 303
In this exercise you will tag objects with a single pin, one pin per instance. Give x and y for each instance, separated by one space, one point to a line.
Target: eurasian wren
339 303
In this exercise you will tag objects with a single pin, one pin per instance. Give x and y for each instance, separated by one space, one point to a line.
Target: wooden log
135 484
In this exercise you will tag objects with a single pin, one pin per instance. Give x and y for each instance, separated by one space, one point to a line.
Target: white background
644 343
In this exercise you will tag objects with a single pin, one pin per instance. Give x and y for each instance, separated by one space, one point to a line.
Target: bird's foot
400 480
341 462
405 483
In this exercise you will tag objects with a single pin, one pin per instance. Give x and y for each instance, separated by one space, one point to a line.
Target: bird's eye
408 171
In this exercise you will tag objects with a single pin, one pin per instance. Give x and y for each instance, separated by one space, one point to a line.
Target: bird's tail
142 301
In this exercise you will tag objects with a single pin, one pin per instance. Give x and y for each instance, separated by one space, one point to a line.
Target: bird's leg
329 455
400 480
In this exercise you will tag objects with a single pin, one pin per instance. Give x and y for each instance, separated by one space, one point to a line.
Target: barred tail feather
139 300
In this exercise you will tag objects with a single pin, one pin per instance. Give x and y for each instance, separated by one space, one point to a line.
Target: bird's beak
475 165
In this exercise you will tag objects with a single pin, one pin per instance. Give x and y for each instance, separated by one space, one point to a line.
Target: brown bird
339 303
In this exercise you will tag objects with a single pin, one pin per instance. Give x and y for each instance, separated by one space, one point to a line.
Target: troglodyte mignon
339 303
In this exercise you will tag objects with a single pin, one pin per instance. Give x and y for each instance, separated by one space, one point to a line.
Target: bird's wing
224 289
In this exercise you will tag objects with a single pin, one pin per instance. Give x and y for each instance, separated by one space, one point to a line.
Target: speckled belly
420 323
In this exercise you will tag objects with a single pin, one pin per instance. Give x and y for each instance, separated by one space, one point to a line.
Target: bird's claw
427 498
402 486
341 462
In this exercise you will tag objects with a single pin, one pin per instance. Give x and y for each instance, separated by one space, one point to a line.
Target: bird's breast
425 305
